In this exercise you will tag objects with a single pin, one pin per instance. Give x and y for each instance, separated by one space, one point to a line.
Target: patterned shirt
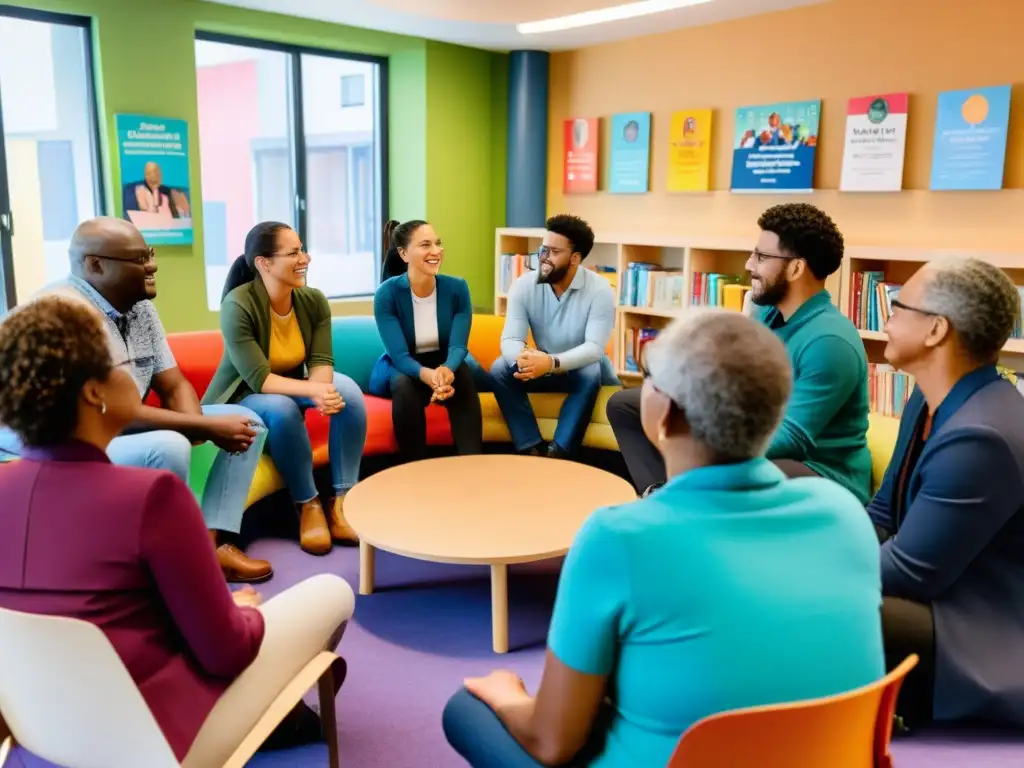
136 338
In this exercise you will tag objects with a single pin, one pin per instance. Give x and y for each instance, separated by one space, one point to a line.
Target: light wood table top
478 510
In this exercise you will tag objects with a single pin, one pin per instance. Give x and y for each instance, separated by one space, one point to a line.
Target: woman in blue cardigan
424 320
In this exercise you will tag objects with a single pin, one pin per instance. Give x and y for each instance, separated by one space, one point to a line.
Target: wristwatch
555 363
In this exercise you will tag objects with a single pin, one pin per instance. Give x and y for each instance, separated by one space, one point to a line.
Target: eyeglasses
897 304
141 260
761 256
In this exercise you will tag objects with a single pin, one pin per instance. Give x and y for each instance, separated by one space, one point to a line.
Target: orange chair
849 730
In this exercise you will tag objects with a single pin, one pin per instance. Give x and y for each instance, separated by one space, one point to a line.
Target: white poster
876 140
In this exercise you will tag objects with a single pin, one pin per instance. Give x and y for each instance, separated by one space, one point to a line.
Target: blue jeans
581 386
227 487
288 440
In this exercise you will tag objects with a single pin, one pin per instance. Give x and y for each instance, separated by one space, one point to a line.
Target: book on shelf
652 286
638 337
515 265
888 389
871 297
608 273
714 289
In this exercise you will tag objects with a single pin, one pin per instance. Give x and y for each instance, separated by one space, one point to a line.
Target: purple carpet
428 626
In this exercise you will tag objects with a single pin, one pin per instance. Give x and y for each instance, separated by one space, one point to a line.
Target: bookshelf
695 258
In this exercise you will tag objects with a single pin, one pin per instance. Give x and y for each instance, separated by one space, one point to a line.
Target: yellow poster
689 151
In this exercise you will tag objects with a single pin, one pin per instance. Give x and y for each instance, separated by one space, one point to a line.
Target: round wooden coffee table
478 510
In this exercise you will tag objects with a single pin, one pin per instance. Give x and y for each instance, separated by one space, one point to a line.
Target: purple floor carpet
428 626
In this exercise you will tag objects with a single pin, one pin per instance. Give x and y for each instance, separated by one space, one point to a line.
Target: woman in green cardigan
278 361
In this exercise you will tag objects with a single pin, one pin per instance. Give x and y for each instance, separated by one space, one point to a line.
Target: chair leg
328 716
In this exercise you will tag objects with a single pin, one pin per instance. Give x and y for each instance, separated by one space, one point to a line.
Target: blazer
126 549
957 542
392 308
245 325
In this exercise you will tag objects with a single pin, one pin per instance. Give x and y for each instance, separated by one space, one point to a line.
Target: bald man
114 270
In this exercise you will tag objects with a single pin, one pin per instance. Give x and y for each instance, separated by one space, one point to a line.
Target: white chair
67 698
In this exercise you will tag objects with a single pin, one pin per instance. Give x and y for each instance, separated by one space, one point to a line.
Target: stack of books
636 339
652 286
870 304
714 289
888 389
513 265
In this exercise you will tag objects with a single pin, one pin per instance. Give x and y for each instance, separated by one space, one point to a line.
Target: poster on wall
970 139
155 190
689 151
876 141
579 167
774 147
629 170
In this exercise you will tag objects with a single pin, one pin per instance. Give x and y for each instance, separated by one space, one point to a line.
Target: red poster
579 173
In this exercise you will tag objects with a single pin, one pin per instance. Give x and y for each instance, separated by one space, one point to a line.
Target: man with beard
824 431
570 311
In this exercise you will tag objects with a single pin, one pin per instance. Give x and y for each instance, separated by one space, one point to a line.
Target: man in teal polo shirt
732 586
824 431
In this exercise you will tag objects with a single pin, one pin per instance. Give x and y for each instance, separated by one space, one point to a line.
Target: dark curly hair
808 233
575 230
49 349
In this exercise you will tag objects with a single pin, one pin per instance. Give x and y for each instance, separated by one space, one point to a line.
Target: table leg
499 608
366 562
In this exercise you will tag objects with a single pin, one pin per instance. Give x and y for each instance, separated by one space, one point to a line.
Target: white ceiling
491 23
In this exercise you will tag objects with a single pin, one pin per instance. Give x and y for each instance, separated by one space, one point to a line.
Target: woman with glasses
774 581
278 361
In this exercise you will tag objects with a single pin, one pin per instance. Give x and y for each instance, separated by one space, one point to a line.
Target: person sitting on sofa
824 431
774 590
950 510
571 312
279 361
114 271
424 319
126 549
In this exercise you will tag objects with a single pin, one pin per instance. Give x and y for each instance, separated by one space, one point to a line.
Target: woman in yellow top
278 359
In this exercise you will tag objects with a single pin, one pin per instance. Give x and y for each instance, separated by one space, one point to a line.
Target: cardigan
393 311
126 549
245 325
957 542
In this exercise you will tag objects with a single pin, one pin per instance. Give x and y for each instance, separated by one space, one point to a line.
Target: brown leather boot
341 531
314 535
238 567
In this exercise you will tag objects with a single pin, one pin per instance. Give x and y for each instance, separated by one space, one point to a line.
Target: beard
771 293
554 276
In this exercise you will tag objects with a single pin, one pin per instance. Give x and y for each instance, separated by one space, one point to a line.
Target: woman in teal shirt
731 586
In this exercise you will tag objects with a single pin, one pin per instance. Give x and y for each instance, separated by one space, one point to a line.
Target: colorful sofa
357 346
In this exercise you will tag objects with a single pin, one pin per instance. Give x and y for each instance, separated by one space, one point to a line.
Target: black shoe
555 452
533 450
650 489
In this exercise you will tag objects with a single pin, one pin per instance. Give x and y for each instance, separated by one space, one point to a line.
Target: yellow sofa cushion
882 433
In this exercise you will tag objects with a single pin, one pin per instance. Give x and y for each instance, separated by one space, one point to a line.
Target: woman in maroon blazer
126 548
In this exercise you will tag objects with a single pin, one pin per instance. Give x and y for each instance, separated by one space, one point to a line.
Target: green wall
441 144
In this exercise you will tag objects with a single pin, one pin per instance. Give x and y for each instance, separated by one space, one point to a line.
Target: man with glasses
824 431
114 270
570 310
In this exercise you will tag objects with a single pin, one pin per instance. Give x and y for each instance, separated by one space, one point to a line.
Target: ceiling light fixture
602 15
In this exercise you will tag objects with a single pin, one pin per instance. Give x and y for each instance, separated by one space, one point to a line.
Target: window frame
297 125
87 24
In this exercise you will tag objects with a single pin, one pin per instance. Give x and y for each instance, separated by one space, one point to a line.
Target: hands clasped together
440 380
532 364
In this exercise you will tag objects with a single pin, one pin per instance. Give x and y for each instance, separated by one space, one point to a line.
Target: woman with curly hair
127 549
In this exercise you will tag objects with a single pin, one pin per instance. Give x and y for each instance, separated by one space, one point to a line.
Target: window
49 178
277 144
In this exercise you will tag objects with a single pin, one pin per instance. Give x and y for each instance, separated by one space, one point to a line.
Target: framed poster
775 146
580 150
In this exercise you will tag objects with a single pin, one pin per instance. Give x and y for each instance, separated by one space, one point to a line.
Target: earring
103 409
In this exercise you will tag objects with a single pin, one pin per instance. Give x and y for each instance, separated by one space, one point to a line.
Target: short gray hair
728 373
979 300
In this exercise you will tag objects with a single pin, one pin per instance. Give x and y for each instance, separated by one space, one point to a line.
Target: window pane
246 146
343 216
49 140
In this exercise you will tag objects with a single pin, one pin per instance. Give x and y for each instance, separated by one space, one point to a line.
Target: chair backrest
849 730
68 699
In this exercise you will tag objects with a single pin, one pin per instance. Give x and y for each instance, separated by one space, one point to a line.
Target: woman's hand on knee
326 398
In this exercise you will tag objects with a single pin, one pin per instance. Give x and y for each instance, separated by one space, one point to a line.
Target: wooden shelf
650 311
873 335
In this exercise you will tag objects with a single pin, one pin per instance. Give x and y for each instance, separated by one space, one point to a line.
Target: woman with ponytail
278 360
424 320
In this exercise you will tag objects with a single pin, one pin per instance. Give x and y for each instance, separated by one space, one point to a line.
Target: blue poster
631 153
155 191
775 146
970 139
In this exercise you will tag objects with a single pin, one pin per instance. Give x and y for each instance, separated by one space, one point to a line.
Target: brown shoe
314 535
239 568
341 531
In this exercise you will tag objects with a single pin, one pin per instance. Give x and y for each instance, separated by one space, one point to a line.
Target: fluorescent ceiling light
602 15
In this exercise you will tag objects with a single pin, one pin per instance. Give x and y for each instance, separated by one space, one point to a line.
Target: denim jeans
288 440
227 487
581 386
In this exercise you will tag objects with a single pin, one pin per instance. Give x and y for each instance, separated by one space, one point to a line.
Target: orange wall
834 51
